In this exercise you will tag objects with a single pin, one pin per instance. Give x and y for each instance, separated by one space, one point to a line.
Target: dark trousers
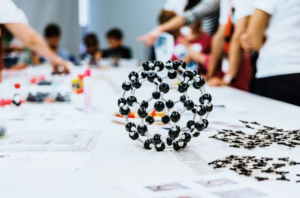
285 88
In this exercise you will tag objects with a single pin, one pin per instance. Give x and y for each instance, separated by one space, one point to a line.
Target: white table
118 159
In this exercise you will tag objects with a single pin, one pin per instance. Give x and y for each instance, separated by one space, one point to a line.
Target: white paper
214 186
164 47
43 160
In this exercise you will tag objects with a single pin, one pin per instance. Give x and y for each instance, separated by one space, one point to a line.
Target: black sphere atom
175 116
142 112
142 129
165 119
130 127
167 114
156 95
159 106
169 104
131 100
182 87
144 104
164 87
150 120
133 76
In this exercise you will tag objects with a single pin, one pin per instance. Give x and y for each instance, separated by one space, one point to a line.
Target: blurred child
93 55
52 35
194 49
115 45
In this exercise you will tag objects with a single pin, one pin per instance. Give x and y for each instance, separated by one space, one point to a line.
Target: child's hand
97 56
184 42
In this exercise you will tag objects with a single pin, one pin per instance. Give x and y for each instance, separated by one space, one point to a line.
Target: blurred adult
206 10
13 20
274 30
226 42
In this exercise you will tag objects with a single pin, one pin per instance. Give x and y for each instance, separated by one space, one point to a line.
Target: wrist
228 79
159 29
56 60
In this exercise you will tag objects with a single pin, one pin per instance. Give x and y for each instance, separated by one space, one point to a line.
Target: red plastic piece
17 85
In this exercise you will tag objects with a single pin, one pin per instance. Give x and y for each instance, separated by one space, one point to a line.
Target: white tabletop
118 159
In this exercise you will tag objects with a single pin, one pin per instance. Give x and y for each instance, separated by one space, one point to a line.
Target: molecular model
254 167
263 137
176 137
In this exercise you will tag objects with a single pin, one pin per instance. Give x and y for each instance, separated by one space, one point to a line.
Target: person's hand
187 59
246 42
215 82
97 56
60 66
184 42
150 38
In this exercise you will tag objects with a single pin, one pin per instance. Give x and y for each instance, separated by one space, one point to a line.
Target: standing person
12 18
206 10
226 41
274 31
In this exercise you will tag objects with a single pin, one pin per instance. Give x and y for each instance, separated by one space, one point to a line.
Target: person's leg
284 88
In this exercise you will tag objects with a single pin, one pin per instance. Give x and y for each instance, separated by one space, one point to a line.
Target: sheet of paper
210 186
43 160
164 47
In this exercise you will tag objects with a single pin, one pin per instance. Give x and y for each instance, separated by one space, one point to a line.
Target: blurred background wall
62 12
134 17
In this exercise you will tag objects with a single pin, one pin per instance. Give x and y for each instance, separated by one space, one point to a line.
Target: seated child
115 45
93 55
52 35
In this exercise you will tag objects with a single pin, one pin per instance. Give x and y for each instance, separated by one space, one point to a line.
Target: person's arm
150 38
235 52
200 11
33 40
255 34
197 57
18 66
216 51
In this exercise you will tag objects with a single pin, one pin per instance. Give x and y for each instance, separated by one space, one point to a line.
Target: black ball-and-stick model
176 137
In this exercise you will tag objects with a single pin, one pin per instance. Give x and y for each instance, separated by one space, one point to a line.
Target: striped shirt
206 10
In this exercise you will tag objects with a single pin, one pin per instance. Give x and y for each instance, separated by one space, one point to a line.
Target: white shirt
243 8
176 6
281 53
10 13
